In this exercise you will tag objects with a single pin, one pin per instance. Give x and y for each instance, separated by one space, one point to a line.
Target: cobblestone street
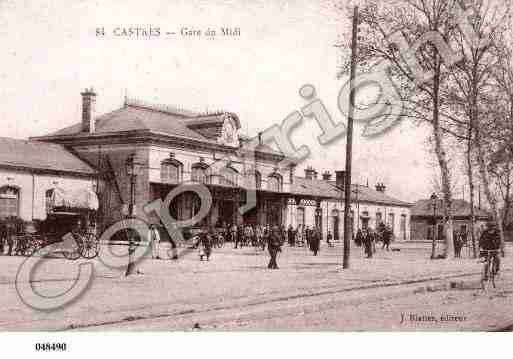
235 290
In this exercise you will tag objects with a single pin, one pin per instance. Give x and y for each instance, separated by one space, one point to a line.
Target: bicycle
489 269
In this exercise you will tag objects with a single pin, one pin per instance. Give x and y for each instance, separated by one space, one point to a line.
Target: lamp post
434 198
356 192
132 171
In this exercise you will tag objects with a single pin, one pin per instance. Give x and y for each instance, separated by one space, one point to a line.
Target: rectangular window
170 173
391 221
9 202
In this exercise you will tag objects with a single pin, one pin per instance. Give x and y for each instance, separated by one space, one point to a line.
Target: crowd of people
368 238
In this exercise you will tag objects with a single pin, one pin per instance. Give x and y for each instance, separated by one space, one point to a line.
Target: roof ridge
164 108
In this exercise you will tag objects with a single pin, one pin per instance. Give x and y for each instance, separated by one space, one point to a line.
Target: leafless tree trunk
470 176
443 164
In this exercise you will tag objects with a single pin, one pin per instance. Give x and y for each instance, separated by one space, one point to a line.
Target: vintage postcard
265 165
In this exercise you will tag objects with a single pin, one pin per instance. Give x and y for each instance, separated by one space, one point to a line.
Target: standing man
267 235
367 242
274 247
3 235
155 241
315 241
233 233
290 235
387 237
259 234
308 235
237 235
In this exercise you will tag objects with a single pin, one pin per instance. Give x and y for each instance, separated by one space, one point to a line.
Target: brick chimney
310 173
88 102
380 187
340 178
326 176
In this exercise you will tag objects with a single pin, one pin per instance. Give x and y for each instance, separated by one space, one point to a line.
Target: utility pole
349 144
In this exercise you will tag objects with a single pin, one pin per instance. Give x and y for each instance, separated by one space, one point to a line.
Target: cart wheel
90 246
30 246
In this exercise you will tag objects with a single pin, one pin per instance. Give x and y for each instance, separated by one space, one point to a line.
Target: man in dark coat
359 238
315 241
290 235
387 237
3 236
367 242
274 247
239 236
206 240
329 239
490 241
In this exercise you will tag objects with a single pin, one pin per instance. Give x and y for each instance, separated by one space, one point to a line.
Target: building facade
369 207
32 172
168 147
423 212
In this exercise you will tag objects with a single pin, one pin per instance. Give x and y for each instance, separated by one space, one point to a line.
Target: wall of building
114 204
32 189
332 209
422 227
188 157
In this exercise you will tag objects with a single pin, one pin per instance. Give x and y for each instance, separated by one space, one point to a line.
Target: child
205 245
329 237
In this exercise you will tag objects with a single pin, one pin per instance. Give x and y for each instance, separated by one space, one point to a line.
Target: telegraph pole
349 144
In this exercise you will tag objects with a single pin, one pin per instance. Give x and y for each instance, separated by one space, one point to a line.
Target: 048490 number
50 347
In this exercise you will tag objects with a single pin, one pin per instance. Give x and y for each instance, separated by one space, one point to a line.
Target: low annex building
36 176
423 212
369 207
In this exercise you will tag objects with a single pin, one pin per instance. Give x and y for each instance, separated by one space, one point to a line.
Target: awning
79 199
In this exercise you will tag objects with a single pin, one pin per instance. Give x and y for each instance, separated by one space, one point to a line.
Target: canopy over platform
83 199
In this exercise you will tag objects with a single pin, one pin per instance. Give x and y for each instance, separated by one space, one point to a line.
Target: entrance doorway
251 217
335 224
226 212
273 213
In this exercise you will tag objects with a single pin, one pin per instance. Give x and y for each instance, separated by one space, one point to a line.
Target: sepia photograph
255 166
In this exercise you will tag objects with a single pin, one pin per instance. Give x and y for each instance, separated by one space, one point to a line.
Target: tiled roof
40 155
322 188
314 187
460 208
158 119
131 118
367 194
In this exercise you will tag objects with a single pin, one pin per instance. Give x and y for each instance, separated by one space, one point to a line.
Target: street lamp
132 170
357 191
434 199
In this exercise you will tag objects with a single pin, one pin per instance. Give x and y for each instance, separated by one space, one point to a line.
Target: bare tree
471 90
411 36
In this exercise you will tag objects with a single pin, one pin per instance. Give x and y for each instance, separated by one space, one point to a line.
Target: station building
168 147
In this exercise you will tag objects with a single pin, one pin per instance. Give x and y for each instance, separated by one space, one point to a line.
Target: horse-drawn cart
69 227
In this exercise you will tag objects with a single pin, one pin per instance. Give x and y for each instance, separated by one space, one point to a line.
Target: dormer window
171 171
199 172
275 182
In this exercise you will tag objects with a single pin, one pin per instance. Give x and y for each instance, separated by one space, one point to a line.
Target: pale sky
51 53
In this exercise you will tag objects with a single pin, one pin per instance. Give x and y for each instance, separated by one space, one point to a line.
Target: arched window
199 173
274 182
171 171
228 177
379 218
9 202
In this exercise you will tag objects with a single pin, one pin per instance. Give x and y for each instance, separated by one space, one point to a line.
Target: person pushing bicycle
490 242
